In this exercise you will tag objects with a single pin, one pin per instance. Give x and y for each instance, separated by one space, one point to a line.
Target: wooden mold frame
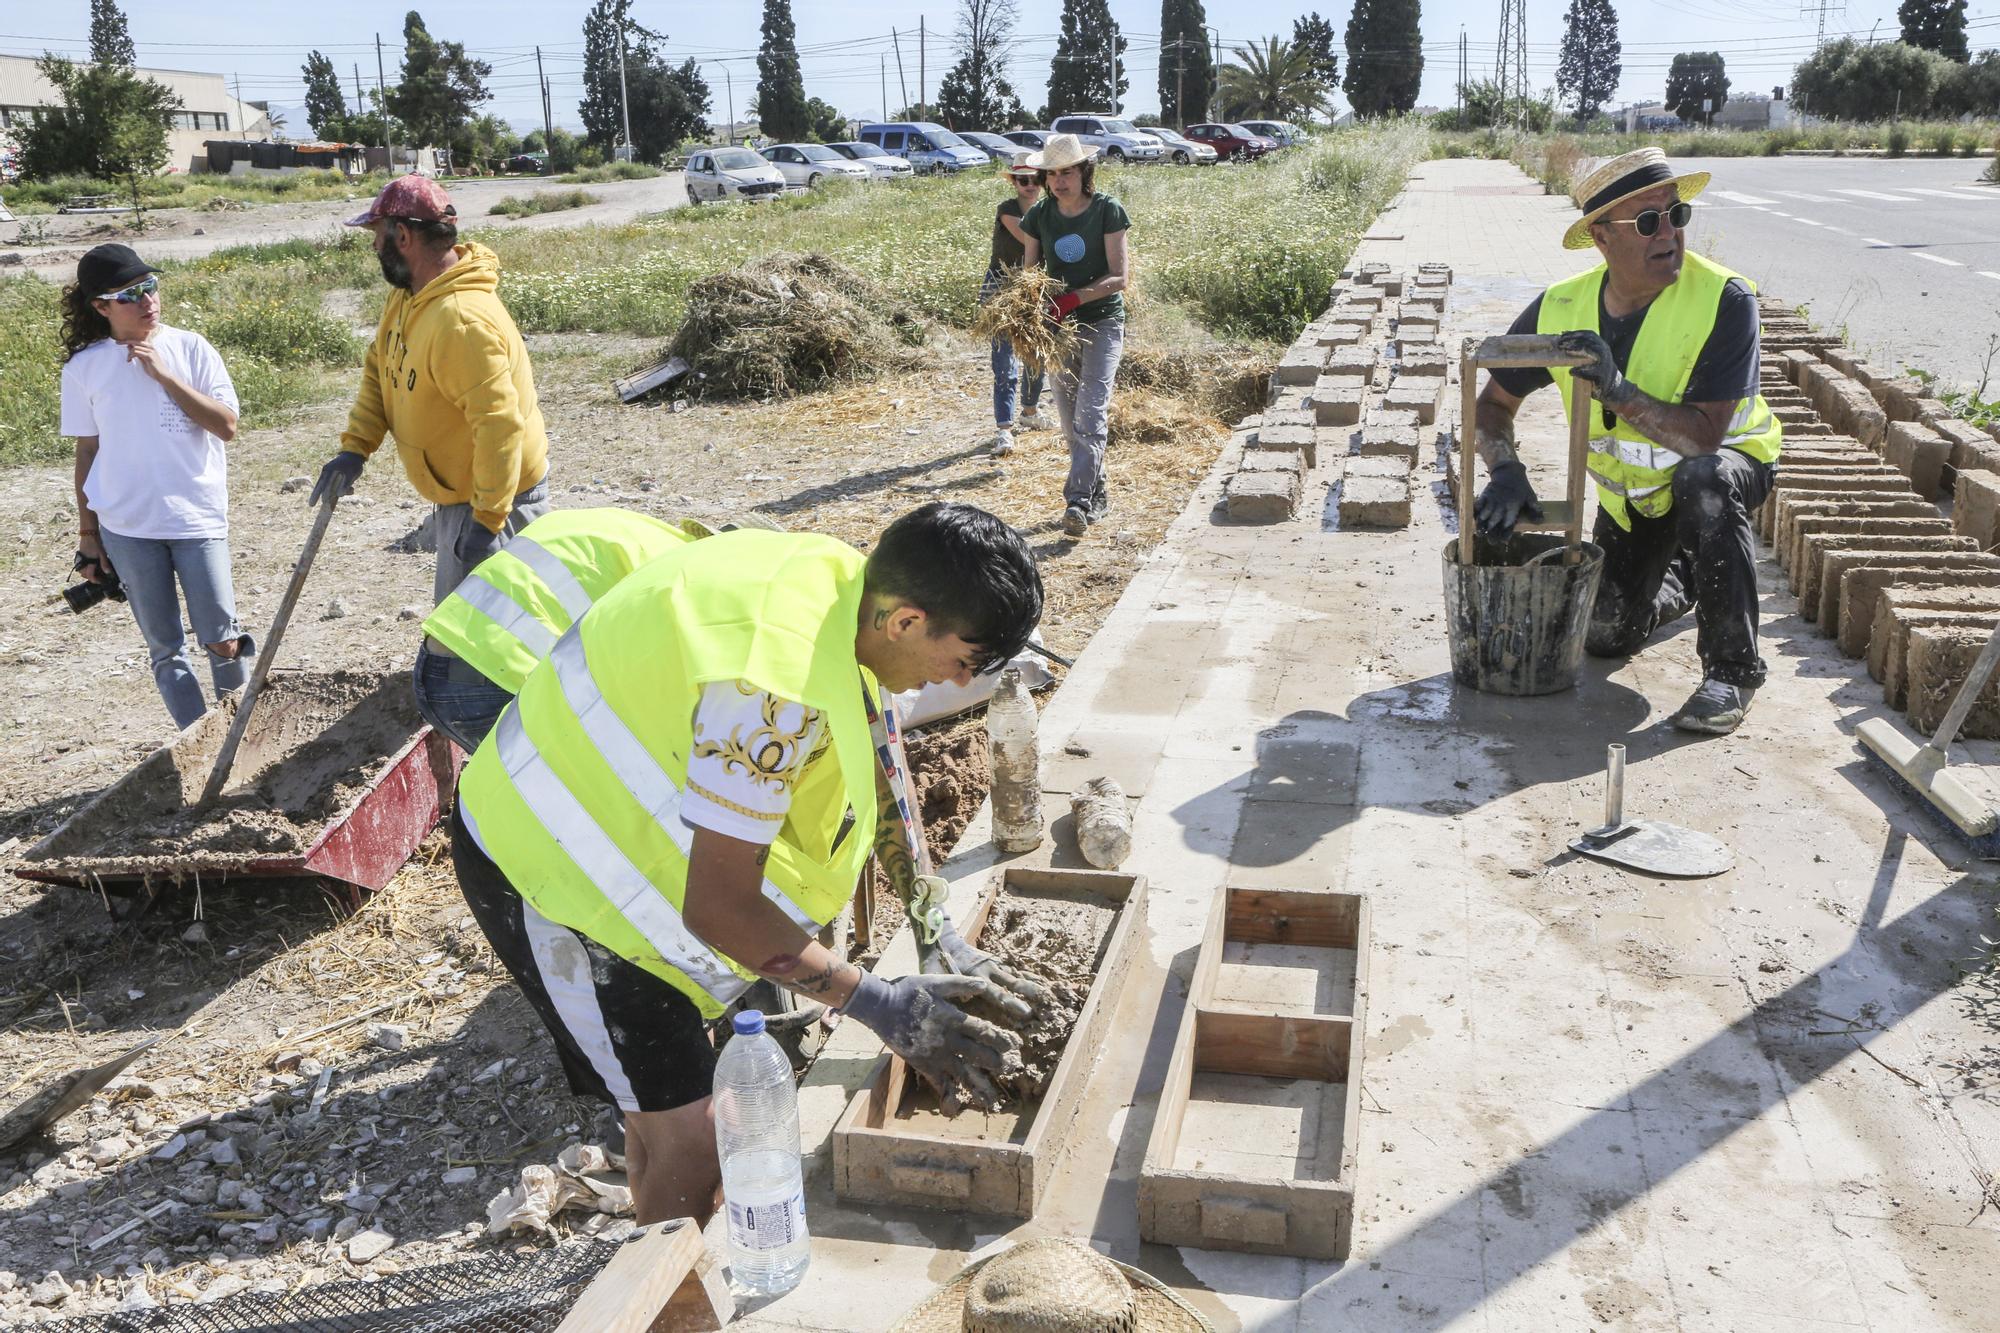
877 1161
1268 1057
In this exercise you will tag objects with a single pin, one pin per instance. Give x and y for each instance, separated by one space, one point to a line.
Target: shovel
1651 845
219 778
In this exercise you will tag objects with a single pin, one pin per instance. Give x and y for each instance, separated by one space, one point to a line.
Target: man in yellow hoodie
448 375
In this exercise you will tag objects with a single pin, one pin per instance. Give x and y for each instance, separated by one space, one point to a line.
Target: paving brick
1301 365
1337 401
1919 453
1404 442
1975 508
1301 441
1940 660
1863 589
1262 497
1373 502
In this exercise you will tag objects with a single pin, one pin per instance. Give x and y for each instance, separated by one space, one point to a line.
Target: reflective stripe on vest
508 615
552 572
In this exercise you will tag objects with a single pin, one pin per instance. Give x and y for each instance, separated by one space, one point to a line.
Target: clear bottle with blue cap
757 1138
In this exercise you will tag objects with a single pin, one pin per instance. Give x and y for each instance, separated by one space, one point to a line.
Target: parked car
1232 143
881 166
730 173
807 164
1281 132
928 147
999 149
525 164
1118 140
1033 140
1180 149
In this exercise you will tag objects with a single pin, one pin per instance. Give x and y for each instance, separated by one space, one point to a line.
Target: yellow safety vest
576 794
509 612
1627 467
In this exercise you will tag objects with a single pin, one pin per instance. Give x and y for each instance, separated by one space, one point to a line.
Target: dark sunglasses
1648 222
134 294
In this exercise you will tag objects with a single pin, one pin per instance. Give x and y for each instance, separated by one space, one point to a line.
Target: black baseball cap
110 268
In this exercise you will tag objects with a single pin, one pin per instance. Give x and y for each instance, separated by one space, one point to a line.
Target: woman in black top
1008 253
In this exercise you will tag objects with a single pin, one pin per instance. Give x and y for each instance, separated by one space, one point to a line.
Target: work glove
1611 387
1061 307
953 956
1506 498
475 543
338 476
919 1018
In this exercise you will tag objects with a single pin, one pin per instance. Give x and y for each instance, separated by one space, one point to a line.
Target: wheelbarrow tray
338 777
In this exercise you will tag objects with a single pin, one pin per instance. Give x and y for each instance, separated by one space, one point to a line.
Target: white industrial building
208 110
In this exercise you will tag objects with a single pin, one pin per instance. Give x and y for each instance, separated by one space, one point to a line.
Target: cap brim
362 218
1686 187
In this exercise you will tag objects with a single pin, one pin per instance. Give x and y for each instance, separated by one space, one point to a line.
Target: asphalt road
1904 254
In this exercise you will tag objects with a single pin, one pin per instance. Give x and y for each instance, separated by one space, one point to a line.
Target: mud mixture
1058 942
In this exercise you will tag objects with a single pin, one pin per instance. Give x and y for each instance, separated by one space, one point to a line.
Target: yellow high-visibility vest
1630 469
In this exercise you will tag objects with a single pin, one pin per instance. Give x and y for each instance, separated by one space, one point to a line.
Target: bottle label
770 1220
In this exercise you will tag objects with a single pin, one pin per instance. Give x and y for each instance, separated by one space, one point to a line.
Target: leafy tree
1850 80
1971 89
825 123
1087 41
668 103
326 105
1935 25
781 90
440 86
1187 72
561 146
975 93
111 40
1587 72
1385 55
483 142
1694 76
110 123
1315 37
1487 103
1270 82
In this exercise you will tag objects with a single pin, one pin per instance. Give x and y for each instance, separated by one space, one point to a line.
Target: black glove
954 955
1506 498
338 476
919 1019
1611 387
475 543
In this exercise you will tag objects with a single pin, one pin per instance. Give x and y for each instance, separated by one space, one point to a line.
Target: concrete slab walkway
1763 1101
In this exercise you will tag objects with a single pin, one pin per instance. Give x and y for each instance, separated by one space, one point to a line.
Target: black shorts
624 1035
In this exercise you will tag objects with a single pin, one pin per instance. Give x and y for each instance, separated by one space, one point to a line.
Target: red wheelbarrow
337 777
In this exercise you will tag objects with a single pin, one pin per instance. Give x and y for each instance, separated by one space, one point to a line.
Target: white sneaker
1032 419
1003 443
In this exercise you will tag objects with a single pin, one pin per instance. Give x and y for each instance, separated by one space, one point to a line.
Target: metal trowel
1648 844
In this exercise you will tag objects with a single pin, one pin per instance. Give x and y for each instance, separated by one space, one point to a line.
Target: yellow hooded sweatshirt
448 374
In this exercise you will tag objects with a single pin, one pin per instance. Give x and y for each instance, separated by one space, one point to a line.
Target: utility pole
1823 8
885 86
901 87
548 125
1510 59
624 104
729 82
1112 42
1180 83
243 121
920 60
1461 76
382 92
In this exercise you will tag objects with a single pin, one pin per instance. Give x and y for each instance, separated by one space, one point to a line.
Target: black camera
82 596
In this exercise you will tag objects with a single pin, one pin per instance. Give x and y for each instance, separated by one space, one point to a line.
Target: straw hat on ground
1062 150
1617 179
1052 1285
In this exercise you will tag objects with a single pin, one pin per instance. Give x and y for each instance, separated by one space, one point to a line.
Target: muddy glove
474 544
1506 498
1611 388
953 954
1061 307
338 476
919 1019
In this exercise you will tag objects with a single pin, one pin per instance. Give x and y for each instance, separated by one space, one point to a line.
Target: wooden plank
1304 1046
661 1280
1468 433
1289 916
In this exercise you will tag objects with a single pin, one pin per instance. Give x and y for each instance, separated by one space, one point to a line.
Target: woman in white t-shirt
150 407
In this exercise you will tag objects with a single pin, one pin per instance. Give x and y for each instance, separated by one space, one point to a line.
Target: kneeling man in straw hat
1682 447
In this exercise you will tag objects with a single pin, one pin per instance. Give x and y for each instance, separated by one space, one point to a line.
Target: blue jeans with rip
1010 376
150 570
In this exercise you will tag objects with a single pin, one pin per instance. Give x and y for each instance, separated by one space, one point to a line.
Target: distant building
207 108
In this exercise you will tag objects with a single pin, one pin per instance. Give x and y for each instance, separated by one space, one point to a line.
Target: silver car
1180 149
807 164
715 174
882 165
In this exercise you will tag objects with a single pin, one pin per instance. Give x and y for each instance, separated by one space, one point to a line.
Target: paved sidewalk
1757 1102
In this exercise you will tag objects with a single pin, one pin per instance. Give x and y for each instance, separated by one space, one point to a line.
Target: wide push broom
1926 768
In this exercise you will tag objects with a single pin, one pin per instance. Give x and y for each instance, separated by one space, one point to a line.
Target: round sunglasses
134 294
1648 222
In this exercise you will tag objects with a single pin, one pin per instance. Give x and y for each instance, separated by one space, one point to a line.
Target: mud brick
1301 365
1381 416
1971 447
1975 511
1818 556
1336 401
1833 566
1889 649
1422 360
1263 497
1405 442
1351 361
1885 503
1814 525
1855 412
1342 333
1940 660
1373 502
1795 363
1371 297
1919 453
1287 461
1899 397
1842 359
1897 609
1419 321
1420 396
1862 591
1298 441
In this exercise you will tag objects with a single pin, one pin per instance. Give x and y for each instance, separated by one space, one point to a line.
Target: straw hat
1617 179
1019 165
1052 1285
1062 150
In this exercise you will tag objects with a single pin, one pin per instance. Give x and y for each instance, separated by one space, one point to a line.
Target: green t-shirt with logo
1073 248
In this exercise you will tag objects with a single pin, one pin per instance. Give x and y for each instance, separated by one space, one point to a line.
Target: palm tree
1272 82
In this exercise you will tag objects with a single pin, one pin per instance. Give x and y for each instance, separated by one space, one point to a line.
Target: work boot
1716 708
1075 521
1003 442
1032 419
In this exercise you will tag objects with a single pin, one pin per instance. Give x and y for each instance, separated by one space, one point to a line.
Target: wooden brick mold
1253 1144
891 1145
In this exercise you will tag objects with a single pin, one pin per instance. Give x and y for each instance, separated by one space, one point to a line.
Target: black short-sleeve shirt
1725 371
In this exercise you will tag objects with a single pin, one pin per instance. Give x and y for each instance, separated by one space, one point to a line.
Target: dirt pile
788 324
1055 941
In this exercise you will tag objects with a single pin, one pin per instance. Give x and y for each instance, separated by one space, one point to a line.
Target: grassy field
196 191
1241 253
542 201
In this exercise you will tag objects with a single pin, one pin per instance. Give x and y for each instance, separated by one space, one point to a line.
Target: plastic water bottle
1015 755
757 1138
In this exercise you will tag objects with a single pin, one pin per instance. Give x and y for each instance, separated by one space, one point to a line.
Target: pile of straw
1017 312
788 324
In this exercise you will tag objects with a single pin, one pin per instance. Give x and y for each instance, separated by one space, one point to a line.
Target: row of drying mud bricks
1356 390
1855 525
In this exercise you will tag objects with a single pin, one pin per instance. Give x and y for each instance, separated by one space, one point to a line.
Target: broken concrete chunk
388 1036
366 1246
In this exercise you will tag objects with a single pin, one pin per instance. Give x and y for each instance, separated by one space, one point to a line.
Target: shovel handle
219 776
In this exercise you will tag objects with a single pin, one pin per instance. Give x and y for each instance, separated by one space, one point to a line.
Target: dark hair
432 235
969 571
1086 176
83 323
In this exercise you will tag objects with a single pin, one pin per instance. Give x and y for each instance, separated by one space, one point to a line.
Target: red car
1231 142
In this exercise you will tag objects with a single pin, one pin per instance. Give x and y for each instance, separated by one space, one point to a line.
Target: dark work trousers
1699 554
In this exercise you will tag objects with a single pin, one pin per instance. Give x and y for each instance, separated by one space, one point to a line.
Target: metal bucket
1518 614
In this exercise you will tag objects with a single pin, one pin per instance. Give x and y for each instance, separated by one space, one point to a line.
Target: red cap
416 197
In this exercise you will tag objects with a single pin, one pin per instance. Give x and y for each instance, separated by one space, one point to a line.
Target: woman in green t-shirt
1079 235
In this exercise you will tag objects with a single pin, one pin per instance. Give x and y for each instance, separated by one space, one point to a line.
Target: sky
848 51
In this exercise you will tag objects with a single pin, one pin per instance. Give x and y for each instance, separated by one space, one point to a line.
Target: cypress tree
1187 66
1080 74
1590 64
781 89
1385 56
110 39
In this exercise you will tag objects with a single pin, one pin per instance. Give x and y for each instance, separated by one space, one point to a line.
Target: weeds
1899 141
544 201
610 171
196 191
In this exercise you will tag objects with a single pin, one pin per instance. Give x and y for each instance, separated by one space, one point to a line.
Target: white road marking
1876 194
1884 245
1776 214
1939 259
1807 198
1952 194
1808 222
1736 198
1988 273
1842 230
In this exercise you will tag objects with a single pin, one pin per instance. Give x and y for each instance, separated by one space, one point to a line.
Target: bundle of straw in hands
1018 312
